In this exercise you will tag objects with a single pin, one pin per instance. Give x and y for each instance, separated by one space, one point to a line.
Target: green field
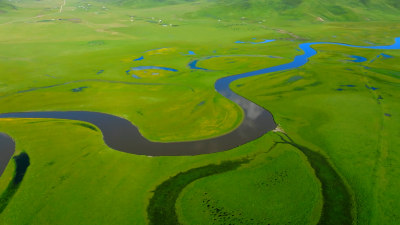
334 161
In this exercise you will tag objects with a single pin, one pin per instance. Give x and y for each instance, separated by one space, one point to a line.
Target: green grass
261 192
74 178
72 162
349 126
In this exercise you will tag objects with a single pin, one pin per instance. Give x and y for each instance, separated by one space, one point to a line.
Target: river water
120 134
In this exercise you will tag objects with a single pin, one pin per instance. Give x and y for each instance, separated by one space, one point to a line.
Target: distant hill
144 3
322 10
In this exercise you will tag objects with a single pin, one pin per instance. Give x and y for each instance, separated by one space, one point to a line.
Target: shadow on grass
161 209
338 202
22 163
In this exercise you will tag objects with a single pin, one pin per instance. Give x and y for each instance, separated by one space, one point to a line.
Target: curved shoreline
120 134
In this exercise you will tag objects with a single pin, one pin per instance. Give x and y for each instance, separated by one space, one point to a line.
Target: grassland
74 178
354 125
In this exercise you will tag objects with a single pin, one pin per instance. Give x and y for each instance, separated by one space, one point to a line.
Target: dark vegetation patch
86 155
22 163
87 126
301 88
394 3
79 89
45 21
337 10
294 79
338 202
277 178
201 103
161 208
292 3
50 163
198 106
221 215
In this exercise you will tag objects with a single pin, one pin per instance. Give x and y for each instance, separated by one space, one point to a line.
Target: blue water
250 42
358 58
222 84
388 115
193 65
372 88
345 85
262 42
386 56
191 53
140 58
100 72
152 68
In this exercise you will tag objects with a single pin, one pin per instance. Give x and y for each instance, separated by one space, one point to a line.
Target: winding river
120 134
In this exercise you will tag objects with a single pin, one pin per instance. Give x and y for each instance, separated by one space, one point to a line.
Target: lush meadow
341 117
